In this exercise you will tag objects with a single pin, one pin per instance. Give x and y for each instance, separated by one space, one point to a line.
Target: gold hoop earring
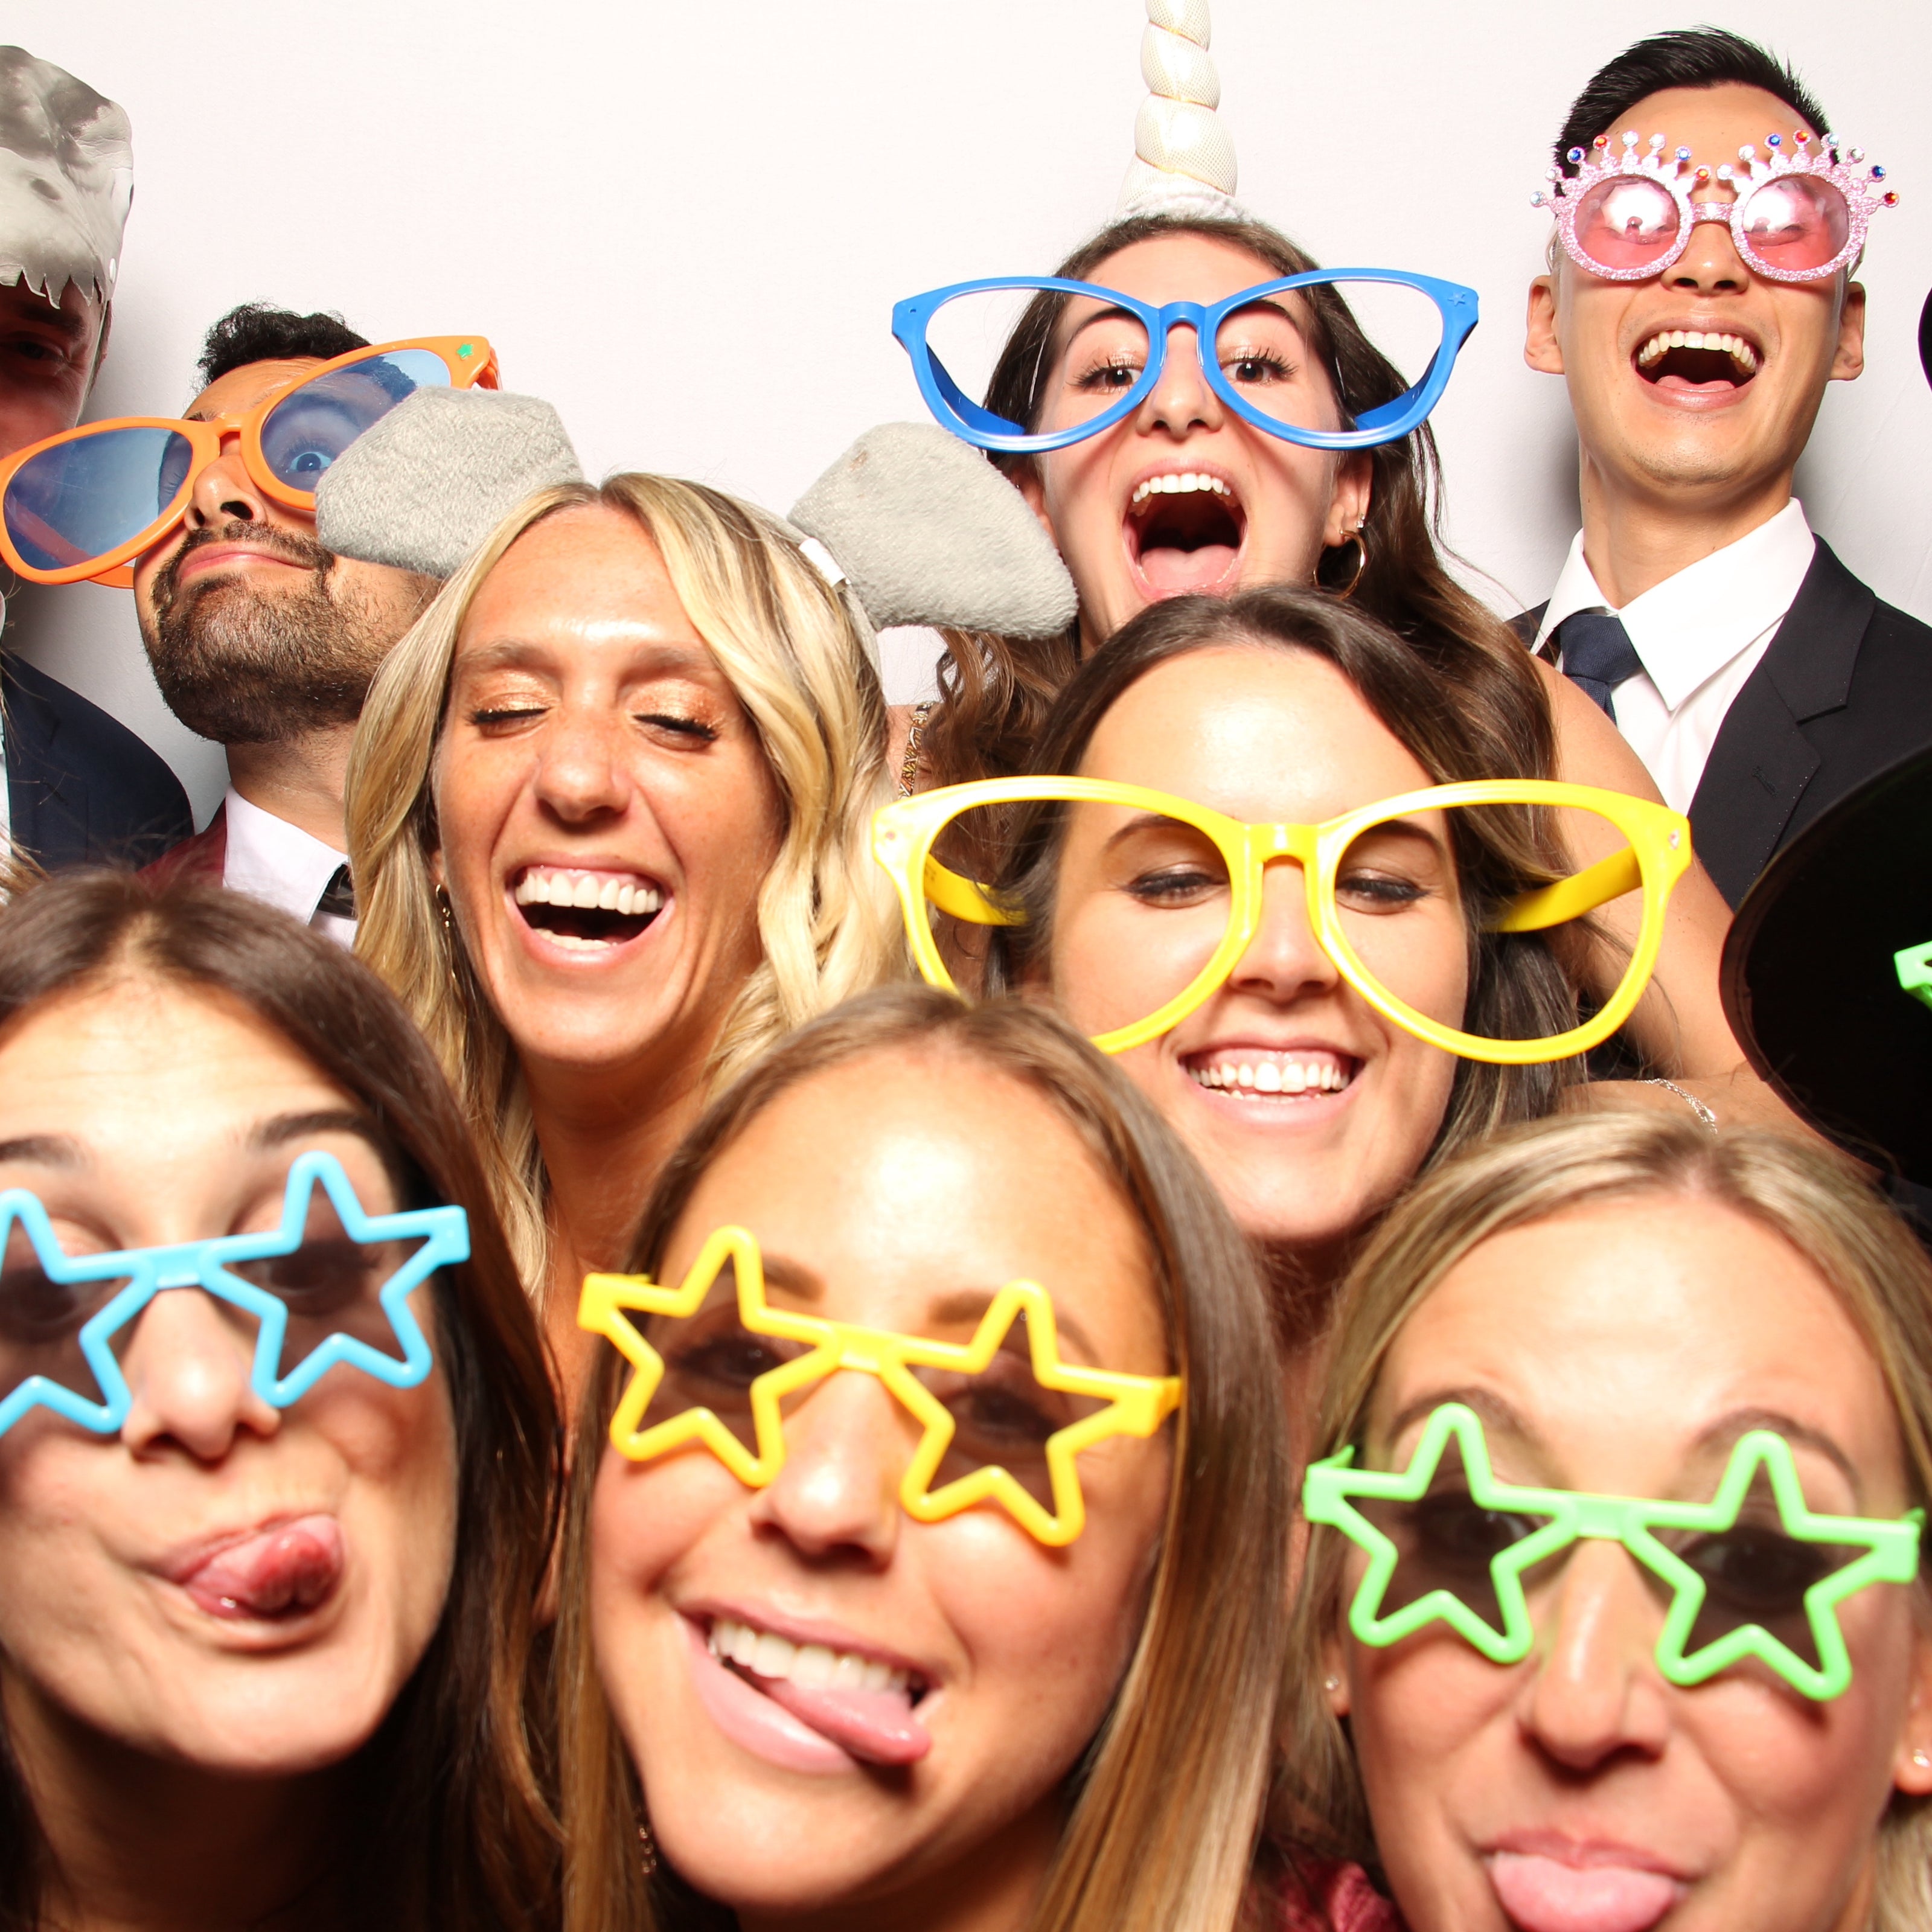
1360 534
449 945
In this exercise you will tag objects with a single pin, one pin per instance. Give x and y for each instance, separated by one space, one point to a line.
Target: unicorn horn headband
1183 156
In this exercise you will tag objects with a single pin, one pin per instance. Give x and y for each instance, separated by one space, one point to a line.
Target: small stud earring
1922 1758
1331 1683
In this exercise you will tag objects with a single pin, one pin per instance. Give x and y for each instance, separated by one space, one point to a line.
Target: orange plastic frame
472 364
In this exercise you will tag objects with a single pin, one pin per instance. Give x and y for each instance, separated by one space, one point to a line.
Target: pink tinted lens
1797 224
1627 222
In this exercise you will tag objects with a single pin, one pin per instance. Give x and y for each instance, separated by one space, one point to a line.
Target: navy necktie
1595 654
338 896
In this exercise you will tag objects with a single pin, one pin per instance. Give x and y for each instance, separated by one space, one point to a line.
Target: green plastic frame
1892 1553
1914 965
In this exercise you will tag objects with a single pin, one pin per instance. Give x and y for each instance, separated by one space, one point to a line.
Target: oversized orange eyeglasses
85 504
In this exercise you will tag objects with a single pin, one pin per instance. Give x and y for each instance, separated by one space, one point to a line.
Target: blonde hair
1164 1809
796 658
1813 1199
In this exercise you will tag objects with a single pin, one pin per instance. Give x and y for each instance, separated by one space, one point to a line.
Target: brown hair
1810 1198
1517 988
997 690
450 1826
1163 1807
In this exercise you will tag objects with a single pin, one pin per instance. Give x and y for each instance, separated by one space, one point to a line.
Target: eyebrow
277 1132
45 1150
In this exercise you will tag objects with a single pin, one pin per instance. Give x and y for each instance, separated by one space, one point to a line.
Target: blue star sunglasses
323 1295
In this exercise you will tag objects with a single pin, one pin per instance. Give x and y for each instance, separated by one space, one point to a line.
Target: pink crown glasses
1799 214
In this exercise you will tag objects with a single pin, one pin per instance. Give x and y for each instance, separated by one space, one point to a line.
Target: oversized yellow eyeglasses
719 1365
1366 872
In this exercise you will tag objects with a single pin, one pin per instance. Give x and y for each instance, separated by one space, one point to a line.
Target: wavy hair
1809 1197
1162 1814
795 653
998 690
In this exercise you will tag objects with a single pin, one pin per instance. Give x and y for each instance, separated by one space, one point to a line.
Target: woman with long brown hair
984 1634
276 1443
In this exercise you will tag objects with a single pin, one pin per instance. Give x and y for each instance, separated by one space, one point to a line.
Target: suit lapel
1762 761
33 779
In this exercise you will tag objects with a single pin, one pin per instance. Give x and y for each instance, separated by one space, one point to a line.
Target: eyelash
687 727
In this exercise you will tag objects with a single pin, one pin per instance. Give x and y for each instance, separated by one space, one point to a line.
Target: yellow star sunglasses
1170 893
1001 1417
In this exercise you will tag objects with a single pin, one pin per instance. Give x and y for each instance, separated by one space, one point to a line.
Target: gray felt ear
928 532
424 487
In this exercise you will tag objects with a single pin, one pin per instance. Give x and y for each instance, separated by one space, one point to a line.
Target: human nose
224 492
1284 960
837 1492
1595 1690
188 1369
582 774
1710 264
1180 399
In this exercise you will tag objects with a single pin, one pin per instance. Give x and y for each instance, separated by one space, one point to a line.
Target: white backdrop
686 225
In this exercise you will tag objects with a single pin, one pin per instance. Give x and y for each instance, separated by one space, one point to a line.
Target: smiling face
257 633
1184 496
1622 1350
788 1781
1309 1110
606 813
223 1584
1657 416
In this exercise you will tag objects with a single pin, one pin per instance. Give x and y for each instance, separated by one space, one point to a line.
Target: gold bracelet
909 770
1697 1106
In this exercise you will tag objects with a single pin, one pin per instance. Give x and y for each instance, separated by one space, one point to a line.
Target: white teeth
598 892
1179 484
1736 346
813 1666
1283 1074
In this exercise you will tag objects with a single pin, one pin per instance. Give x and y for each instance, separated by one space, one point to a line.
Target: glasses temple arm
962 899
1570 899
963 406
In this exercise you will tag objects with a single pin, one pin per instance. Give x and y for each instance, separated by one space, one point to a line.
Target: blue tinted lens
82 499
312 425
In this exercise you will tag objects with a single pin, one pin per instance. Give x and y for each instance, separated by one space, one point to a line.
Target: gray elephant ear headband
917 528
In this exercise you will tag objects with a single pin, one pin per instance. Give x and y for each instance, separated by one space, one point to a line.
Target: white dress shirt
270 859
1699 635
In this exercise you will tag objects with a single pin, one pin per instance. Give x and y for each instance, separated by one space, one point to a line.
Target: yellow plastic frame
1657 856
1136 1404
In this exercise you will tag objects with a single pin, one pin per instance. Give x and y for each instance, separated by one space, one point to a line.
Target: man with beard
80 787
265 642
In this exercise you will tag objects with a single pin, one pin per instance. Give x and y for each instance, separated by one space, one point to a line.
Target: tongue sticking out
877 1726
279 1572
1543 1895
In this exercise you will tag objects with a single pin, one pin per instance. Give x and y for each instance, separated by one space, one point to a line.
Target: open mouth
1184 530
1260 1074
860 1703
1698 360
584 910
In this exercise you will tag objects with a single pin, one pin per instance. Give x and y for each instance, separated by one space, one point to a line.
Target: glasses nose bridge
1271 844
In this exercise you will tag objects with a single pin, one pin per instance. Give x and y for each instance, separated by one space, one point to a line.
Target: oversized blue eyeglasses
1263 367
324 1289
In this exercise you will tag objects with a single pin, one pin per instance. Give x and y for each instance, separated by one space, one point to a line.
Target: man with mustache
1756 677
81 789
267 642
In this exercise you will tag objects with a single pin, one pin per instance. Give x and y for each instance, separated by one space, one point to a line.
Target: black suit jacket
82 789
1844 691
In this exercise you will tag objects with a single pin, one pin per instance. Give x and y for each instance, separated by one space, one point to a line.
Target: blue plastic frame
445 1233
1387 422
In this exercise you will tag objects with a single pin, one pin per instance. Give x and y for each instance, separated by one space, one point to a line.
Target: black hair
255 332
1691 57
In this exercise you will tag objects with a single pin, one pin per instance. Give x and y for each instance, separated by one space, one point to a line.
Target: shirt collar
1687 628
269 859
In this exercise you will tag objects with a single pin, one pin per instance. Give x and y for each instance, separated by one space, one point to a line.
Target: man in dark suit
1757 678
81 788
